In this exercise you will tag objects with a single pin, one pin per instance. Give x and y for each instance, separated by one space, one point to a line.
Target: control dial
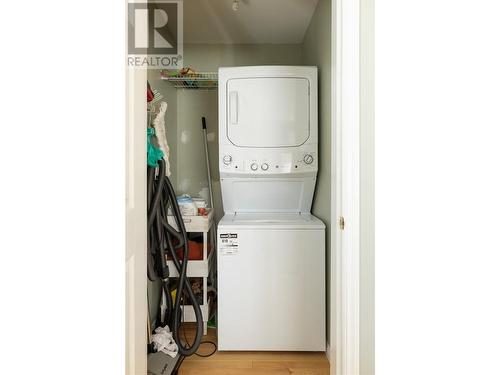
254 166
227 159
264 167
308 159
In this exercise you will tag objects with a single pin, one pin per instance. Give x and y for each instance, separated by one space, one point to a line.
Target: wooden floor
253 363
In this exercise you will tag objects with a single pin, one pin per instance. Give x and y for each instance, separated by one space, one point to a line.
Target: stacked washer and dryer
271 250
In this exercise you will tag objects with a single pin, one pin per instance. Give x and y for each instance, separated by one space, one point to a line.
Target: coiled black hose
161 196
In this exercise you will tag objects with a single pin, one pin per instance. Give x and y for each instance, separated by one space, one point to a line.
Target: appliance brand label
228 243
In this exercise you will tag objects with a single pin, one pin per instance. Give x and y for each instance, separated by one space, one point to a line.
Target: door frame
136 227
346 118
351 288
136 302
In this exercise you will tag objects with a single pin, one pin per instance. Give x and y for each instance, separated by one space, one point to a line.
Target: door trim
136 226
345 318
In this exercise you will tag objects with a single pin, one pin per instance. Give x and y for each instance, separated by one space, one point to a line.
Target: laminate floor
252 363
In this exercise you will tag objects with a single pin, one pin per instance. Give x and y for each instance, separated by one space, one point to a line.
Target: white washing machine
271 250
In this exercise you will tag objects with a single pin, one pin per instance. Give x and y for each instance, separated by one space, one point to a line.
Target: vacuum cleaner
162 240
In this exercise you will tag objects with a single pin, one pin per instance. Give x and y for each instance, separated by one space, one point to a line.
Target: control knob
254 166
264 167
308 159
227 159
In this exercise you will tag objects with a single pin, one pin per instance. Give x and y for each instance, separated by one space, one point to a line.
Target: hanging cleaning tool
157 109
213 236
158 124
207 159
154 153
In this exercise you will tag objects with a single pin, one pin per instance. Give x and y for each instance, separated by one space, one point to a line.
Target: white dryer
271 250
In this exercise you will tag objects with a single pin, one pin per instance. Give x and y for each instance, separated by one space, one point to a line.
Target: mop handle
204 127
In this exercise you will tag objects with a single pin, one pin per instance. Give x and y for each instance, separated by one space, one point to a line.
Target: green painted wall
316 50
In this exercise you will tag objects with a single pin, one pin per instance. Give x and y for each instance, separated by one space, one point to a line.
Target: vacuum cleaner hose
161 235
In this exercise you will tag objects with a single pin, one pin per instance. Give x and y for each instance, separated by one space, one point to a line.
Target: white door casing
346 138
353 108
136 277
136 241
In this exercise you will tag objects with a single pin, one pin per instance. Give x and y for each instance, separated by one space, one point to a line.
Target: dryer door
267 112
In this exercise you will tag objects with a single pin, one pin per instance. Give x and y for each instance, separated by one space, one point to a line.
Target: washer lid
271 221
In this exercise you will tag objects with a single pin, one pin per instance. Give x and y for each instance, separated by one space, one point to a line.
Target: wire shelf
193 81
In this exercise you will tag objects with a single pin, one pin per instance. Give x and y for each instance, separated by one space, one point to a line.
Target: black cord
201 342
210 354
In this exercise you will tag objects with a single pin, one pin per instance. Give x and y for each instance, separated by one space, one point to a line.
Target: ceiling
255 22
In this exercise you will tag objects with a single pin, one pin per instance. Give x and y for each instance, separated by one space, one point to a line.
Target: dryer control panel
268 163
